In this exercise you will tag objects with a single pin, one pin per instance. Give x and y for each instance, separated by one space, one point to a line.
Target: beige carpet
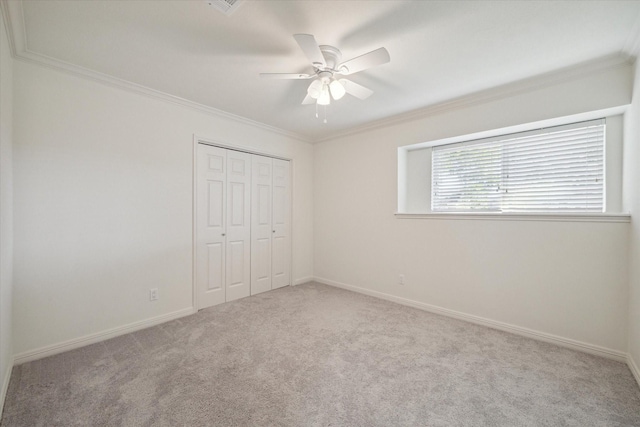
313 355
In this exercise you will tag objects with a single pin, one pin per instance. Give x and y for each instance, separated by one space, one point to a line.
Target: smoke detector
225 6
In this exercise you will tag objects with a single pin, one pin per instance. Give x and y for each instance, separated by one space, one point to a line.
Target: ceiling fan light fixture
324 98
315 89
337 89
327 67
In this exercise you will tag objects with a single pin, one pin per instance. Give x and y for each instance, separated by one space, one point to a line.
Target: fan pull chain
324 113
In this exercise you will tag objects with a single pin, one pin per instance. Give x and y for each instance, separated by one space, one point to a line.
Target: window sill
491 216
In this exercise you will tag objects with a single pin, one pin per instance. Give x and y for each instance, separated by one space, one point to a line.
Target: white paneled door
261 230
238 244
270 224
243 222
211 193
281 223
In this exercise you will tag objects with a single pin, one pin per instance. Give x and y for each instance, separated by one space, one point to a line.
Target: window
557 169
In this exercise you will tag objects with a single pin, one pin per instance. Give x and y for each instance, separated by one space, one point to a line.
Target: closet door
261 231
210 225
238 230
281 224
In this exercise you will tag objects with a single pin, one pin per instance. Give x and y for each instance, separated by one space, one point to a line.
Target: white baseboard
72 344
634 368
5 387
518 330
302 280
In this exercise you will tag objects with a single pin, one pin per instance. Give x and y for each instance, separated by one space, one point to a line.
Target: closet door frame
236 147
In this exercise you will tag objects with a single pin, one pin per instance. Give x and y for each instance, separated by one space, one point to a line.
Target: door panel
279 266
278 205
210 223
237 263
262 269
281 245
215 210
261 230
238 249
215 267
237 194
263 207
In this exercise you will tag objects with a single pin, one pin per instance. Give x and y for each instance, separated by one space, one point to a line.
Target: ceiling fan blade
310 48
288 76
308 100
376 57
355 89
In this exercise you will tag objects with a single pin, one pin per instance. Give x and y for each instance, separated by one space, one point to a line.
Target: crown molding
56 64
584 69
13 14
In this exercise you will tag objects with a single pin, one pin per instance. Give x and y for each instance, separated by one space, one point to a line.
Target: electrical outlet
153 294
401 280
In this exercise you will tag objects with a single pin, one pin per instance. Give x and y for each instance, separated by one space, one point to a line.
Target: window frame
414 179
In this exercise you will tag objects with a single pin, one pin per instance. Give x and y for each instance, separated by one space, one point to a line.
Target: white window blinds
557 169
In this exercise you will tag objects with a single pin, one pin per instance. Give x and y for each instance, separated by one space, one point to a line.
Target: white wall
632 204
567 279
103 204
6 211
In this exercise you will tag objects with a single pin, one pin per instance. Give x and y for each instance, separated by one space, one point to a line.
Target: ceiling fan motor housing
325 76
332 57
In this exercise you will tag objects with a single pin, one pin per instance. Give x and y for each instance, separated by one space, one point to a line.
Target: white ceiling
439 50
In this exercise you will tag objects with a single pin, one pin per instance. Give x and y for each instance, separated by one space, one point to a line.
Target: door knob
274 231
224 234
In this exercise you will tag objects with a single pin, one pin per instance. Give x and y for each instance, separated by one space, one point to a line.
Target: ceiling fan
328 68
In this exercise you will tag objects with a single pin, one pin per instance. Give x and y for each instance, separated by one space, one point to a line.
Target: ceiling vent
225 6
